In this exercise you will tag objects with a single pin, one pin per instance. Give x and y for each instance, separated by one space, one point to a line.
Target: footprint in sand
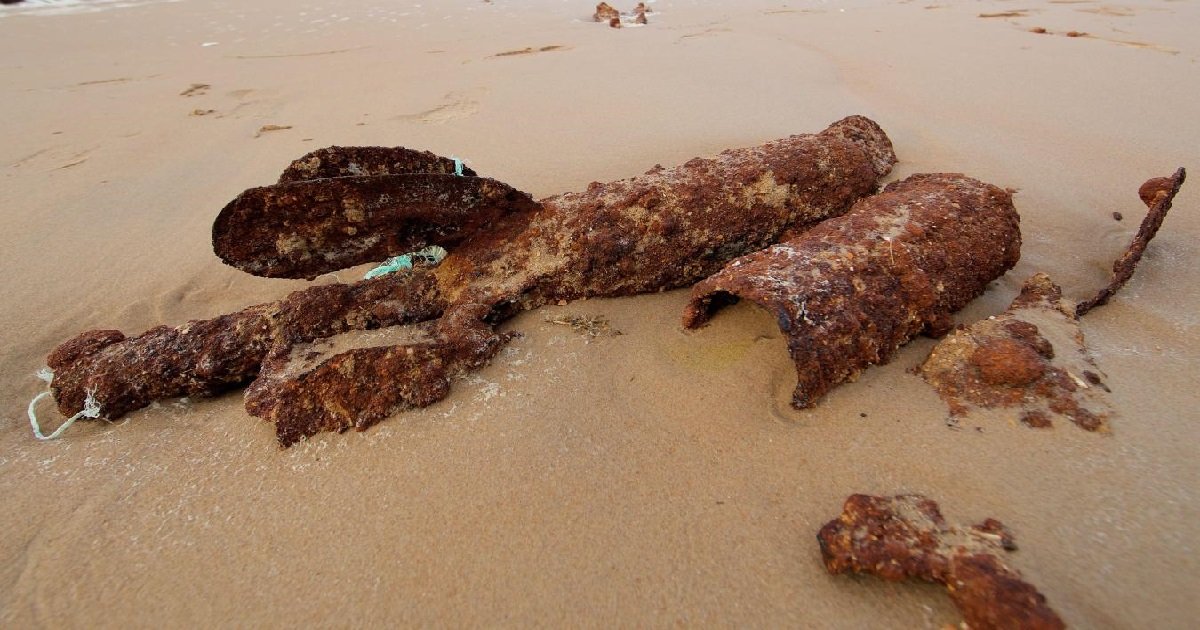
196 89
75 160
1120 42
1110 11
455 105
27 158
252 103
708 32
269 128
782 11
1019 13
530 51
54 158
103 81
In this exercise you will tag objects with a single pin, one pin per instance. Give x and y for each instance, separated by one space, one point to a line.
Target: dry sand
652 478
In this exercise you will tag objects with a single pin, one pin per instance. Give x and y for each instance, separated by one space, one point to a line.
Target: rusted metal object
906 537
1032 357
605 13
357 379
207 357
1158 194
849 292
665 229
303 229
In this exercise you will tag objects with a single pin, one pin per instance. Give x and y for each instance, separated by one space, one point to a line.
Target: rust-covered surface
848 293
670 227
1158 194
358 161
357 379
303 229
1032 358
207 357
667 228
605 13
906 537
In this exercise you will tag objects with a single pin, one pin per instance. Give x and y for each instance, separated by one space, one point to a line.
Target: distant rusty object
906 537
1158 194
848 293
665 229
605 13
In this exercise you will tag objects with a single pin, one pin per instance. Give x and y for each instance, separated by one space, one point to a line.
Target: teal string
432 255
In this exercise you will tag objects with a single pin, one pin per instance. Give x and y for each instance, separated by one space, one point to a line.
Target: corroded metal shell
303 229
848 293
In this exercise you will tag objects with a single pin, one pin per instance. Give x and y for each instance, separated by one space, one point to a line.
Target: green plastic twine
432 255
91 409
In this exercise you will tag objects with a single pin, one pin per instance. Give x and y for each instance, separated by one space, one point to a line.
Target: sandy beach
657 477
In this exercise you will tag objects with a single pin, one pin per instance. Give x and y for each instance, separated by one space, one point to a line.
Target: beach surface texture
585 478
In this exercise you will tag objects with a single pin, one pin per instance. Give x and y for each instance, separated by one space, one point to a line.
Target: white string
91 409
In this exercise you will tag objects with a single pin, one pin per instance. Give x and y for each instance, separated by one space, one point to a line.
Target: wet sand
651 478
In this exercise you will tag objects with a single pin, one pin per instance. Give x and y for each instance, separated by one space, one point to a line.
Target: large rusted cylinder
852 290
670 227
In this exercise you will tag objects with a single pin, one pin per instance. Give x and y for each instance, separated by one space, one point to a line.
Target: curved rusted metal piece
848 293
357 161
1158 194
303 229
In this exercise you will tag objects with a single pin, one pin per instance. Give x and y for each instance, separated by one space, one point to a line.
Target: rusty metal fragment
357 379
605 13
207 357
1031 357
303 229
906 537
849 292
664 229
1157 194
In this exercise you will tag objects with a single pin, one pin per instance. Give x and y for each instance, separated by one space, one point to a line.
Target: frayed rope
432 255
91 409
